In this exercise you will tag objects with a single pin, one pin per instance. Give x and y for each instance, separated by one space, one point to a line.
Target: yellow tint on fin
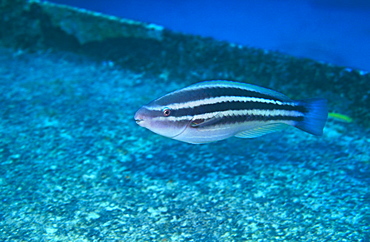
261 130
340 117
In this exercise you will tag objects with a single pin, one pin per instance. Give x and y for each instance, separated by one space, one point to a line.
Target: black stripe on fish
226 106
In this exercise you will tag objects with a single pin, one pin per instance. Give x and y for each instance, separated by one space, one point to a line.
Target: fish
215 110
340 117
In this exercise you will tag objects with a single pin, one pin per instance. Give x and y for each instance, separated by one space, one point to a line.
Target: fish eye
166 112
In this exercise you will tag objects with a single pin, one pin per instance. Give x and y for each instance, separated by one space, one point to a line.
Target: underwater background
74 165
334 31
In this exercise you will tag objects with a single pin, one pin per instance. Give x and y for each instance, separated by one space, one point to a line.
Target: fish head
162 119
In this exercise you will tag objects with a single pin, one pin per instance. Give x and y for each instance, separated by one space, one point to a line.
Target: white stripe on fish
255 112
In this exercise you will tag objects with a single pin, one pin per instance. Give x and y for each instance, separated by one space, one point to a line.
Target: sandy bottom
74 166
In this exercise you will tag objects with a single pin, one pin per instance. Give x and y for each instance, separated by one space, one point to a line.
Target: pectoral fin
205 122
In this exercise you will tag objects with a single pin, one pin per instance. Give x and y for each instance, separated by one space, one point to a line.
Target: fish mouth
139 120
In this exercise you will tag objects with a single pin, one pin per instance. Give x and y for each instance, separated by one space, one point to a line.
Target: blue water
337 32
74 165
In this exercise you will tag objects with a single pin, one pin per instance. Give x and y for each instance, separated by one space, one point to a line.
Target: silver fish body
215 110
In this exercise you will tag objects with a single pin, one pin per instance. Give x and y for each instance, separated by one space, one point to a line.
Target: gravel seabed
74 166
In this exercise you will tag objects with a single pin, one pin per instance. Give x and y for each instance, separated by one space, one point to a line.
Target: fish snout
141 116
139 119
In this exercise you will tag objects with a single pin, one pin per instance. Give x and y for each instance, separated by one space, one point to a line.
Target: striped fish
216 110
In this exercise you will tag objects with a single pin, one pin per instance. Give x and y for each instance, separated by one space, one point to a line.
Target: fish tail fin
315 118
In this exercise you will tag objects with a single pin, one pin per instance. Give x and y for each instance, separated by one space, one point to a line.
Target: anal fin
261 130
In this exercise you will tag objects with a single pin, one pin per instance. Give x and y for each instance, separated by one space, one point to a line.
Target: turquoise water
74 165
